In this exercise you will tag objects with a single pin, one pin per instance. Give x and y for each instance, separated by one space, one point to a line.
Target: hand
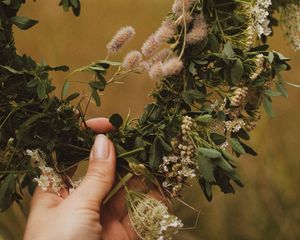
78 215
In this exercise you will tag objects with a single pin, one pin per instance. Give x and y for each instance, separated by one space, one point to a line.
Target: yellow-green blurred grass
267 208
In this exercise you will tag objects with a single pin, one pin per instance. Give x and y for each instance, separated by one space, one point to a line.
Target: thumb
100 174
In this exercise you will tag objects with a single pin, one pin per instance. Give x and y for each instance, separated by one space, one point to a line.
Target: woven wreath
213 69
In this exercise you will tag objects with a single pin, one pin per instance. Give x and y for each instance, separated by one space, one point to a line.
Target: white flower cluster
150 218
218 107
260 15
224 145
234 125
179 165
291 24
238 96
259 63
49 178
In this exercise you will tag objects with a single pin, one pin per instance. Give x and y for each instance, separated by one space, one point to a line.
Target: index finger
100 125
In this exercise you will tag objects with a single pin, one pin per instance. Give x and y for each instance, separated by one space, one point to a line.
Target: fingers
128 228
45 199
113 229
117 204
100 125
100 174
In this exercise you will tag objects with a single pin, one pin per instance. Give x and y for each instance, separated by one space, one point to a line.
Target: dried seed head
198 32
172 67
132 60
238 96
120 39
259 66
150 218
156 71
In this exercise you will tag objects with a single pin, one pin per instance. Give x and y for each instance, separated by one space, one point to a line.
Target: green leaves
41 90
210 153
267 103
206 167
155 154
237 71
96 97
74 4
228 50
192 95
236 145
7 189
23 22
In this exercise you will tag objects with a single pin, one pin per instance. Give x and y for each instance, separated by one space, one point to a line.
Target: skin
81 215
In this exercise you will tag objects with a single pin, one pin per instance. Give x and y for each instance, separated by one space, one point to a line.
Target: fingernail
101 147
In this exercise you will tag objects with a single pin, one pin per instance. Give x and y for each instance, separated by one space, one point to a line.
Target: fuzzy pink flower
166 31
150 46
172 67
156 71
161 56
124 35
132 60
198 32
179 5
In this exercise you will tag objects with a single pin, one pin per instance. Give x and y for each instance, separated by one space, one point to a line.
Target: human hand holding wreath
213 71
78 216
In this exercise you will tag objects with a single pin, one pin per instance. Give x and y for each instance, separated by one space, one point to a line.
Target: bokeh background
269 205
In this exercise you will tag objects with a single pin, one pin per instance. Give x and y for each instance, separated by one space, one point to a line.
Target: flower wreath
214 71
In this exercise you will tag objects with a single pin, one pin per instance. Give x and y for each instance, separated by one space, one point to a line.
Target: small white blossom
49 178
43 182
260 17
234 126
224 145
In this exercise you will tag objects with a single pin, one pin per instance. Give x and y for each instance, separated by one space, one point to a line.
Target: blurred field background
269 205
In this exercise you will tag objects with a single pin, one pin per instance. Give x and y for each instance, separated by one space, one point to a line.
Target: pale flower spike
178 6
150 46
166 31
198 32
155 72
172 67
132 60
124 35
